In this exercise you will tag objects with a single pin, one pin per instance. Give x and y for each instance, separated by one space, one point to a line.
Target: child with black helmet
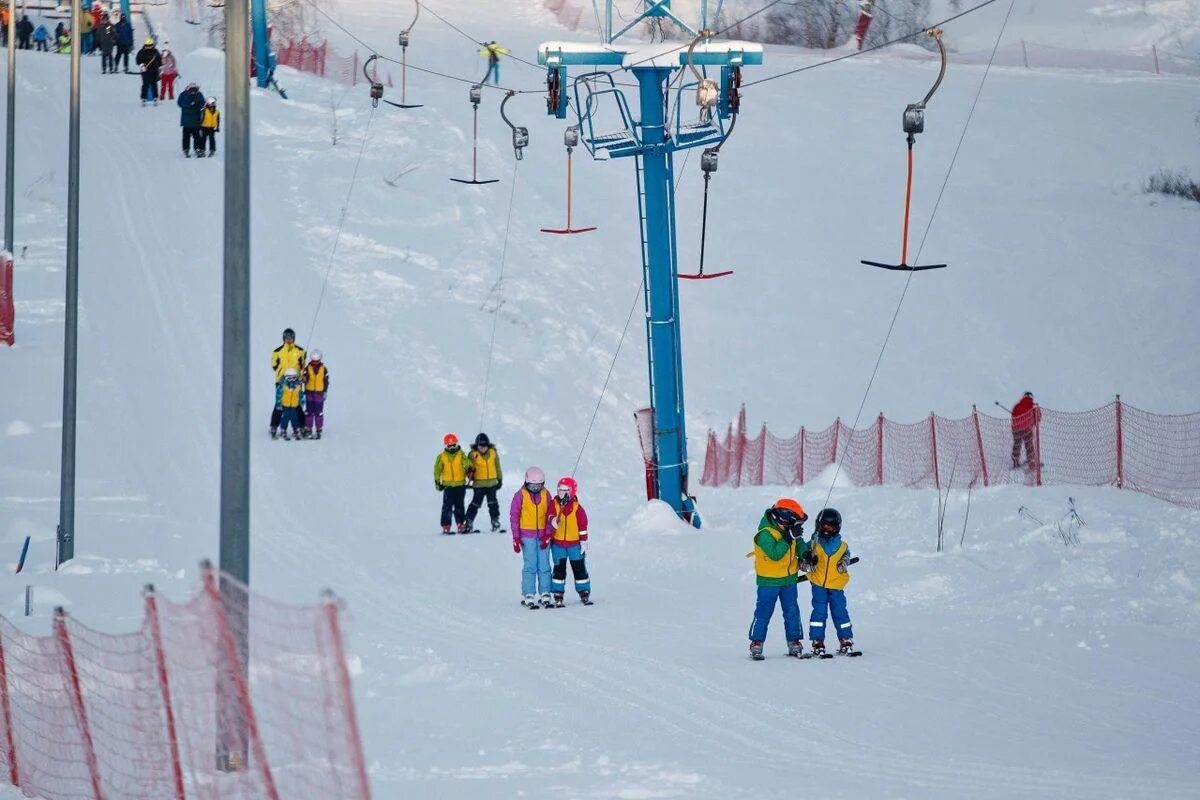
778 549
486 480
827 568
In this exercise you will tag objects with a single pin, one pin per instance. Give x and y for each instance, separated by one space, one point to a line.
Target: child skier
166 89
778 549
210 126
291 403
316 384
486 480
493 52
568 542
40 36
450 478
826 566
529 516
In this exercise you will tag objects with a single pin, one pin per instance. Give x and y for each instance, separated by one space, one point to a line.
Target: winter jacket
106 36
291 394
24 28
87 24
316 378
568 522
1025 414
776 560
168 64
150 60
124 34
529 516
210 118
450 468
40 34
286 356
485 468
64 44
493 51
828 553
97 17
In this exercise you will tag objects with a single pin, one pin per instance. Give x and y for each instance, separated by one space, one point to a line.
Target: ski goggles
452 447
789 518
535 487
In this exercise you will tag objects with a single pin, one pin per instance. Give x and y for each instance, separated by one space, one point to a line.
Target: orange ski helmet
450 440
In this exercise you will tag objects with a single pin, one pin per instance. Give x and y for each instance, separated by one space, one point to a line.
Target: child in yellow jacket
291 403
210 126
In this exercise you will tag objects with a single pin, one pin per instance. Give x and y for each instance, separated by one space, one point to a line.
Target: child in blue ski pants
535 567
824 602
765 607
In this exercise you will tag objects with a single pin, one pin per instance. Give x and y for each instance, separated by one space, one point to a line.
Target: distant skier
124 41
86 26
59 31
778 550
24 32
1025 418
166 89
149 61
210 126
40 38
287 355
486 480
64 42
316 386
106 40
568 542
828 573
529 517
493 52
291 403
450 478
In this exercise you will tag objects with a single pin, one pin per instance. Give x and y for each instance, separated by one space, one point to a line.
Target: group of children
780 555
301 384
544 528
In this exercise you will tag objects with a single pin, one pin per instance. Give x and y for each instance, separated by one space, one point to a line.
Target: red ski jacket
1025 414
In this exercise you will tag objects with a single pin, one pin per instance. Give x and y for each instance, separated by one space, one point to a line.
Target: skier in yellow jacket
450 470
287 356
210 126
493 52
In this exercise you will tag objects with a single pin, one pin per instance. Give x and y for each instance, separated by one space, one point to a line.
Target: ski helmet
482 440
148 43
288 333
829 523
570 485
787 513
291 372
212 101
450 440
534 477
315 355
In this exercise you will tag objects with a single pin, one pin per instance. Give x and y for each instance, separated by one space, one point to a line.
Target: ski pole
1006 408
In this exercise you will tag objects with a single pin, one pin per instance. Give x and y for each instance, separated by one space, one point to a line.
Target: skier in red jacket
1025 417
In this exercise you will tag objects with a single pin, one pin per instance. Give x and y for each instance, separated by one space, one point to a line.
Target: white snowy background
1011 665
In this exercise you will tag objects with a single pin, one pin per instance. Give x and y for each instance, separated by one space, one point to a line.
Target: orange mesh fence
1115 445
315 59
178 709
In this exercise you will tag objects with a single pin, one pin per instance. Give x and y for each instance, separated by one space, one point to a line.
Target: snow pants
493 73
122 53
149 87
786 596
535 567
41 46
166 87
314 415
86 41
452 503
478 495
824 602
277 409
191 139
1023 439
107 62
292 416
558 579
208 139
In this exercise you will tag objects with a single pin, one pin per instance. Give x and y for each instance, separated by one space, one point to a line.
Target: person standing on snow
106 40
210 126
568 542
191 105
40 37
166 90
288 355
316 384
291 403
24 32
493 52
486 480
778 550
124 41
149 61
529 520
450 478
827 566
1025 417
86 26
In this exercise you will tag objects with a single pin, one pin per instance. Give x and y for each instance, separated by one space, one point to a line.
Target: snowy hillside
1012 665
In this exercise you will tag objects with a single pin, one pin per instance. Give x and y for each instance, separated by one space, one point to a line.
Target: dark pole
66 502
10 159
235 379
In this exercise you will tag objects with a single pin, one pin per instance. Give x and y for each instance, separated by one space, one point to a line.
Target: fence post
937 478
741 447
879 448
1037 441
1120 446
1024 54
14 774
762 456
1155 49
343 674
89 749
979 444
803 436
164 686
837 432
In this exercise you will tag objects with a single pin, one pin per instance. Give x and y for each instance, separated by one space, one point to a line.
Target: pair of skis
821 656
473 530
556 604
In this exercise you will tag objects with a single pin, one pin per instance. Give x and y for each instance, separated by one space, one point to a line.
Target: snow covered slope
1011 665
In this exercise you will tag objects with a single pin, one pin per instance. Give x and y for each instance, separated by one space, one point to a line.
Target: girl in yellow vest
568 542
450 478
316 384
529 519
826 566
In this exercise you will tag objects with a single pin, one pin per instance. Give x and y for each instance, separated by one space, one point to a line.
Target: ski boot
317 435
287 437
585 597
530 602
462 528
558 599
187 153
547 601
446 530
495 526
756 651
818 650
471 525
796 649
305 433
846 648
274 431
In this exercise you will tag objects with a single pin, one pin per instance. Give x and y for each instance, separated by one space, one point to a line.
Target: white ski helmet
315 355
535 475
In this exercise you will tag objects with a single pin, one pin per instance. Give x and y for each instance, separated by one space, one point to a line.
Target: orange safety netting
305 56
1115 445
179 709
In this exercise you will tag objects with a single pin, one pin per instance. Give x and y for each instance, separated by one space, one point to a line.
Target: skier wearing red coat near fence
1025 417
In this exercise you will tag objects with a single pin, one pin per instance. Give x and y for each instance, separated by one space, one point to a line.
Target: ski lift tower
609 130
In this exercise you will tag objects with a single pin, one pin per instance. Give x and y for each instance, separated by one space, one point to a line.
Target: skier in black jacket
149 61
106 40
191 104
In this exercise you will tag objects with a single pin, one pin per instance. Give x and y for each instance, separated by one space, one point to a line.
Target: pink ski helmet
535 477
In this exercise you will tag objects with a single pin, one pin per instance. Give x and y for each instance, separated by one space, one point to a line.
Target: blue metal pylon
264 59
652 140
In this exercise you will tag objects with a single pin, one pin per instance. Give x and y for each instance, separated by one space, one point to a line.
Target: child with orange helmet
778 551
568 542
450 470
